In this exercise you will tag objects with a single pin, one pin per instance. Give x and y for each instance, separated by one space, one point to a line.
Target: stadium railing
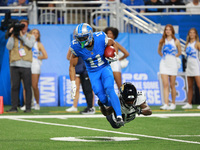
99 14
17 12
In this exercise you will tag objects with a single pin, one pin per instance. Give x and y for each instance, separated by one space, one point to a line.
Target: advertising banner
48 88
181 89
64 93
141 82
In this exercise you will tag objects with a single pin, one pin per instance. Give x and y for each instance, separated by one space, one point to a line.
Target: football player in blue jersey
132 103
90 46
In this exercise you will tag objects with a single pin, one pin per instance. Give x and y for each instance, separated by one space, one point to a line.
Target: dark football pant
87 89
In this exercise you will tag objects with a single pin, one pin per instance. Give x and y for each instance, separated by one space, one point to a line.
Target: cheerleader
192 49
167 49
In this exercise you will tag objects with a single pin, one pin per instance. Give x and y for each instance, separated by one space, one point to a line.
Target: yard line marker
109 131
93 139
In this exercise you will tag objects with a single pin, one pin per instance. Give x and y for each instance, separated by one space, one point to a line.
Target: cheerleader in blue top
192 49
90 46
167 49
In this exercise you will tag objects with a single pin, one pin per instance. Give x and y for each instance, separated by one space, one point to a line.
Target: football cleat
88 111
119 122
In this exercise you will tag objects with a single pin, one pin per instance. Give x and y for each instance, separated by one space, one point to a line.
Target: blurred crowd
189 3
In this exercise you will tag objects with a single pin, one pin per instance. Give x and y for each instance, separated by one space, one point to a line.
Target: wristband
73 83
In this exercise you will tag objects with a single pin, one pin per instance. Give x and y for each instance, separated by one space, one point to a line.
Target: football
109 51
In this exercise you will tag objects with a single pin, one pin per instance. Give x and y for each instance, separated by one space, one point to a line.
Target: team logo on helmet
122 87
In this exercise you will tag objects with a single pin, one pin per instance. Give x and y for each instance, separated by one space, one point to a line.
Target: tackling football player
132 103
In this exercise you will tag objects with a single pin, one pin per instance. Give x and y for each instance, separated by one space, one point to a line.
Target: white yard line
94 116
50 116
184 135
109 131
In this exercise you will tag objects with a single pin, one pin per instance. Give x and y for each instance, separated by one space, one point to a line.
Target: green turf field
164 130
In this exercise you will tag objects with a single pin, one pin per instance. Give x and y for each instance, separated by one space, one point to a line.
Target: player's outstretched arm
145 109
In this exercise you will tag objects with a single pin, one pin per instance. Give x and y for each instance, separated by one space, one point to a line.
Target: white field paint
108 131
95 139
184 135
93 116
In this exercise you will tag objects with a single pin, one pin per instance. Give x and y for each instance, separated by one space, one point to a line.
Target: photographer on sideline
19 46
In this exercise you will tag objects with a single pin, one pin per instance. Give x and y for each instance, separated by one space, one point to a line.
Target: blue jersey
94 59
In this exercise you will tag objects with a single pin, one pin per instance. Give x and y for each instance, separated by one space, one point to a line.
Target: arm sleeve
10 43
28 42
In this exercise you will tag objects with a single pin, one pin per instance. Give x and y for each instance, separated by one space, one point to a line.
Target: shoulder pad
74 42
141 98
100 33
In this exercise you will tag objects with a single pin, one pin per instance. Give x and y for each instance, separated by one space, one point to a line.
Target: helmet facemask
84 40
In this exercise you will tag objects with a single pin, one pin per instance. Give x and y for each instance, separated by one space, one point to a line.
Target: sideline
108 131
94 116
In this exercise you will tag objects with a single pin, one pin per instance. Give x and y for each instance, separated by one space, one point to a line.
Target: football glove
73 89
112 59
138 110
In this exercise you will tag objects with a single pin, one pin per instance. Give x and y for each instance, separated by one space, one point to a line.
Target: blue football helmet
83 34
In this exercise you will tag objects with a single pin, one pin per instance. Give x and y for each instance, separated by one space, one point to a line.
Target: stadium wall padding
185 22
5 87
143 60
